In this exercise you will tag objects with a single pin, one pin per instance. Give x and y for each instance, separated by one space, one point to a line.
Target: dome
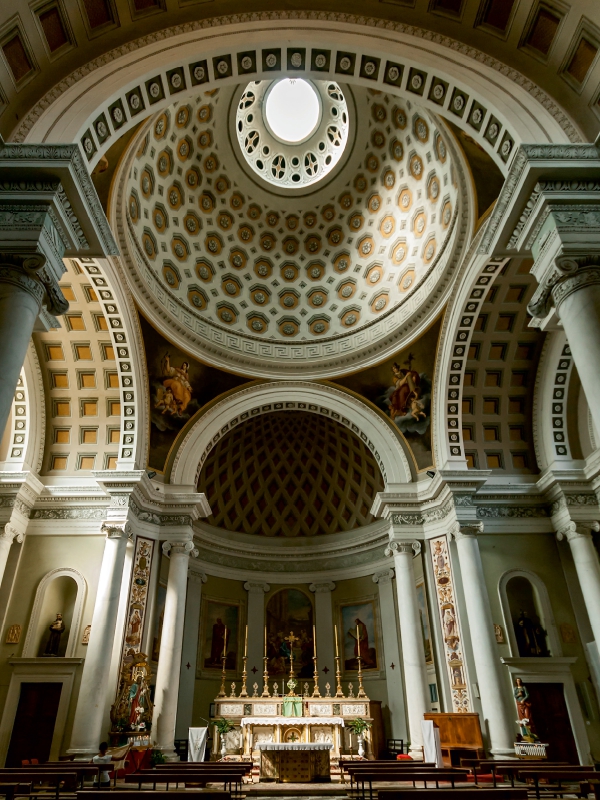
252 263
290 473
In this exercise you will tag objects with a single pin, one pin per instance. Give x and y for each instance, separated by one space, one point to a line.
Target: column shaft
93 692
169 658
588 572
19 309
413 656
325 633
487 663
6 540
579 313
391 653
187 681
256 629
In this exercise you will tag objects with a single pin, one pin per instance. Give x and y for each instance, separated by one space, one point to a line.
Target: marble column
587 565
49 210
490 678
191 626
256 629
391 653
93 692
325 633
577 301
7 536
171 645
413 655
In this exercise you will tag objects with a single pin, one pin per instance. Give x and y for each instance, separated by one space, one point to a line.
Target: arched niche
61 591
290 610
523 591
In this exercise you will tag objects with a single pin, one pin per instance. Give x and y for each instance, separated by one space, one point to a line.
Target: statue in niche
56 631
531 637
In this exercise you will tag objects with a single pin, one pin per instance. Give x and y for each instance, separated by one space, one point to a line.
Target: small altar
290 762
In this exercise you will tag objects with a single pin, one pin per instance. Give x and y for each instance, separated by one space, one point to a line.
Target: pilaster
325 631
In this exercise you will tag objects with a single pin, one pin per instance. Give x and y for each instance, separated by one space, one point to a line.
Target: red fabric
403 757
487 778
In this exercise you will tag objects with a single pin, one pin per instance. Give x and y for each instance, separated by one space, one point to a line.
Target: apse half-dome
290 474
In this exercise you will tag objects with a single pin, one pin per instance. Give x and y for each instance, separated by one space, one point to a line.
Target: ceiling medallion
292 132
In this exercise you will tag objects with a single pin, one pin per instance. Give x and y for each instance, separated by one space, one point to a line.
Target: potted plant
157 757
359 727
223 726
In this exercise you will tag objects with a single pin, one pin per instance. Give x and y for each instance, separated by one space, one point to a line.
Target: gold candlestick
338 676
266 679
361 690
224 661
244 692
316 691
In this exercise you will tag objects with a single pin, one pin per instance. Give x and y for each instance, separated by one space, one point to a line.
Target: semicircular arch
390 451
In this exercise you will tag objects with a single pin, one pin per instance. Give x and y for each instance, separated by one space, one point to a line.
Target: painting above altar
359 628
220 629
290 610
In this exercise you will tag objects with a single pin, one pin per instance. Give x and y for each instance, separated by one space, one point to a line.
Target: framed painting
359 635
424 619
290 611
219 635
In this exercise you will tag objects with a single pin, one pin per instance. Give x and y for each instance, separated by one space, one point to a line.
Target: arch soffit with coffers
34 619
390 451
514 110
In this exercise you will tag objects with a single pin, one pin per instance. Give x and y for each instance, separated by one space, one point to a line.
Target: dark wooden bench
82 770
490 765
231 779
35 775
134 794
396 776
468 793
580 775
10 790
355 769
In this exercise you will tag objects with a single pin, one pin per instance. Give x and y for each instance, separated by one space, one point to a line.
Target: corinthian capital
8 533
568 274
112 531
462 531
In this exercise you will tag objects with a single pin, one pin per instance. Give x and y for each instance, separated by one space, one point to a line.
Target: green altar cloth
292 706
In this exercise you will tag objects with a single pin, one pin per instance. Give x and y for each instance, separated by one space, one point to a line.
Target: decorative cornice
69 513
508 512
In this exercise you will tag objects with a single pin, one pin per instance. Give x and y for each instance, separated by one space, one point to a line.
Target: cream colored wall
42 554
538 553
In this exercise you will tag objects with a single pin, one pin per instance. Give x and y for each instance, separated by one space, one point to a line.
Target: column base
503 752
82 753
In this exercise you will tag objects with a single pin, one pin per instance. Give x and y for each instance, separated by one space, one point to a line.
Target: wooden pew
399 776
83 770
581 775
134 794
492 765
357 768
229 778
468 793
10 790
512 769
35 775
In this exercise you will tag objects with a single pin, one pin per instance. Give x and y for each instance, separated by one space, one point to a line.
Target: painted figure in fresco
449 624
407 390
361 642
133 628
177 381
56 631
217 642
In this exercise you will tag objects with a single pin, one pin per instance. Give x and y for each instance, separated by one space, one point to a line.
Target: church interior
299 396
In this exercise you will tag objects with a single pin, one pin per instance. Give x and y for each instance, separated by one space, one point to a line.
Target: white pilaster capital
9 533
195 575
384 577
256 587
114 531
578 530
319 588
179 549
466 530
401 548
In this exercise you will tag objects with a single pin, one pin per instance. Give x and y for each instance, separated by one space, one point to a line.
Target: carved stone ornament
9 533
256 587
461 531
112 531
179 549
575 530
13 635
398 548
85 639
570 274
383 577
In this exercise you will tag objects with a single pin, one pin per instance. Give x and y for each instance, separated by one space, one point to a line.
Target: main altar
293 737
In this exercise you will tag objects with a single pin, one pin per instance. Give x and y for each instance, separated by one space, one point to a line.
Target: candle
265 641
357 642
246 643
225 644
315 641
337 652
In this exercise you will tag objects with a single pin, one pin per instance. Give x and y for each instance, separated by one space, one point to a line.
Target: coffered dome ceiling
261 272
290 473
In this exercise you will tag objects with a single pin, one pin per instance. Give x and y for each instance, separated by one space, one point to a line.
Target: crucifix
292 639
